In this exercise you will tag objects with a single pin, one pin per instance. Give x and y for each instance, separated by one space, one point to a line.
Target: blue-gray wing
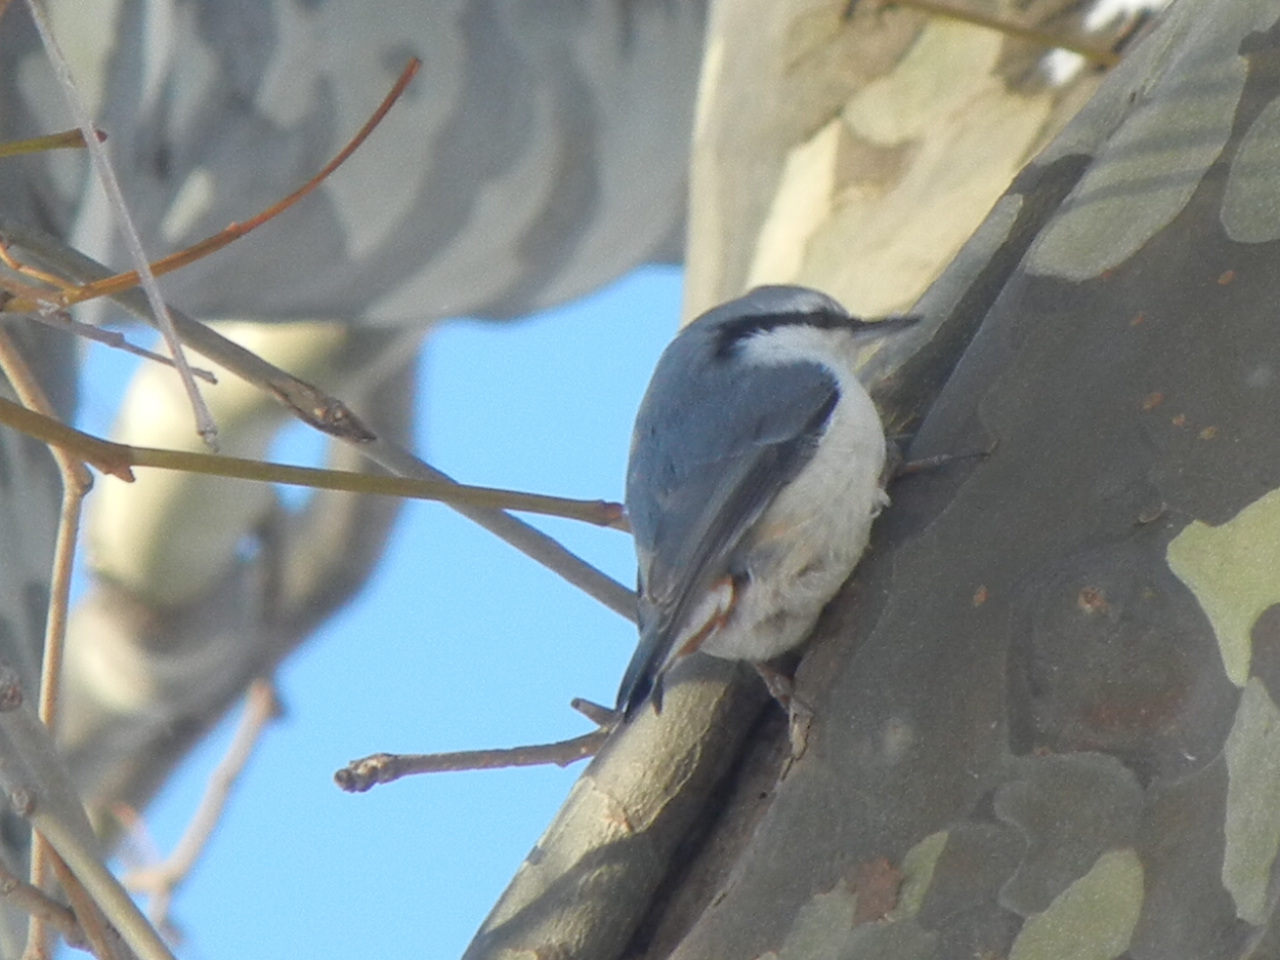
709 453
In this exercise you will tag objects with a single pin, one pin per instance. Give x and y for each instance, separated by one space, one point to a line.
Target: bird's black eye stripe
733 332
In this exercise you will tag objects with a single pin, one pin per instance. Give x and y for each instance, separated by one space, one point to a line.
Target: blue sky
458 643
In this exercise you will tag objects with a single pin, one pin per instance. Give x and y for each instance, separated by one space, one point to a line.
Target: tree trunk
1046 703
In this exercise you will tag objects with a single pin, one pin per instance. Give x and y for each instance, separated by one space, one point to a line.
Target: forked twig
39 788
160 881
118 459
39 905
115 197
97 931
76 483
145 272
120 282
62 320
331 416
323 412
86 865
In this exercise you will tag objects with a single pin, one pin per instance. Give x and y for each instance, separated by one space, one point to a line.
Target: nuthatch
755 473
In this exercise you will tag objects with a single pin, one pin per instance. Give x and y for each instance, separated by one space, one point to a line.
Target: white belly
809 539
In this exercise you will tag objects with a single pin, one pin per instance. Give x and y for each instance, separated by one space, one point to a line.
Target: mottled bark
1045 703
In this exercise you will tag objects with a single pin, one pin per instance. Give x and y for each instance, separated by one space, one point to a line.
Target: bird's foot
799 713
897 465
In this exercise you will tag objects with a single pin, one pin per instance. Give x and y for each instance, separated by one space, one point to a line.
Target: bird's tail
643 678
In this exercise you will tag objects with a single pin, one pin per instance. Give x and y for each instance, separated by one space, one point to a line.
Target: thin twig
61 319
132 241
39 787
113 339
599 512
235 231
599 715
76 483
331 416
77 846
160 881
34 294
88 868
39 904
102 939
118 459
66 140
361 775
102 454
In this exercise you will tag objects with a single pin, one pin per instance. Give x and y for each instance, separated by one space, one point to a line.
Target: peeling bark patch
1230 569
943 101
1093 919
1251 205
1071 809
875 884
822 925
1264 664
1187 914
1253 816
829 927
917 872
976 862
1144 176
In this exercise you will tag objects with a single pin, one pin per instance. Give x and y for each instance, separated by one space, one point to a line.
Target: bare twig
76 483
66 140
34 294
87 867
310 405
118 283
40 789
599 715
118 459
100 936
38 904
361 775
160 881
102 454
115 197
332 417
113 339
